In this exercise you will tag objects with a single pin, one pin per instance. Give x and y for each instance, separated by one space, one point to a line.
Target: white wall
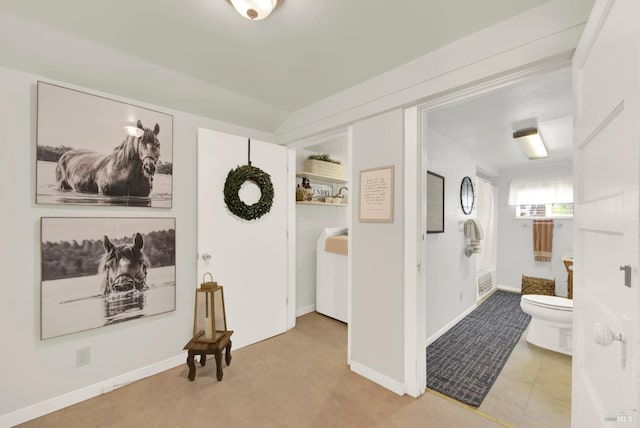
33 371
310 221
377 319
515 242
450 274
547 32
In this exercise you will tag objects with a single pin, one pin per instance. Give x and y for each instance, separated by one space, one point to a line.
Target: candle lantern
210 320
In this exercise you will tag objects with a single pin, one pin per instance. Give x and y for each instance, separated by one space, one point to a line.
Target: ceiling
304 52
484 125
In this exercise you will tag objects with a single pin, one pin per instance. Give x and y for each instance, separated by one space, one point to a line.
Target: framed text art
376 194
93 150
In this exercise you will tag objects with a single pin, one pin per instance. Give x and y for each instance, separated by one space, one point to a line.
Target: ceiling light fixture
531 142
133 131
254 10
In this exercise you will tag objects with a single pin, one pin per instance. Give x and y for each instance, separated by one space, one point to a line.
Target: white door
606 153
247 257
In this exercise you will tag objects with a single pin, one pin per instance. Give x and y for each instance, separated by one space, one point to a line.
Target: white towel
473 232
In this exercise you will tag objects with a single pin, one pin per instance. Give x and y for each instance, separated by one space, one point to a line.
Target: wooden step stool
204 348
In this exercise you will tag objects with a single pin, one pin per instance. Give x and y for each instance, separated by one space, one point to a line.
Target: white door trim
415 211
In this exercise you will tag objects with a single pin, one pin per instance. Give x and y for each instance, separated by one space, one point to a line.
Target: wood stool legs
202 349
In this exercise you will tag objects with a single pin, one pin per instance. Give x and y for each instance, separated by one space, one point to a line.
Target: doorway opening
469 134
322 220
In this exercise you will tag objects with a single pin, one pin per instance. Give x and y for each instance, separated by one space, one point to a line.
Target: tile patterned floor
533 389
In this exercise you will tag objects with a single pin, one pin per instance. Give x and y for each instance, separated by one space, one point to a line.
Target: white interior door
248 258
606 167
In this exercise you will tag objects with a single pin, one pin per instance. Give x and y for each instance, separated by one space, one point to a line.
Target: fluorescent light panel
531 143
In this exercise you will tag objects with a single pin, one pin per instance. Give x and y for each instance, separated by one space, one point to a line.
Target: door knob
603 336
206 257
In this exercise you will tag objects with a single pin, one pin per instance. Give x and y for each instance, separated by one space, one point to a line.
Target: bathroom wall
310 221
515 245
450 274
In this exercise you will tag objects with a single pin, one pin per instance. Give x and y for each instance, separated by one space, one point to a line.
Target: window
544 210
542 197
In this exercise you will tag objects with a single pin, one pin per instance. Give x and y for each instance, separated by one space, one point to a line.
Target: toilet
551 321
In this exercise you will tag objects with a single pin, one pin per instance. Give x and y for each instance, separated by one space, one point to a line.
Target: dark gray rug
465 361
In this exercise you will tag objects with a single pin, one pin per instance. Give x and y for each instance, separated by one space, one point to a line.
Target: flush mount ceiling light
531 142
254 10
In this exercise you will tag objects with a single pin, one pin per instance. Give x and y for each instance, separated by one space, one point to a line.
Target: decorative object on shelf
435 203
254 10
307 190
343 198
467 195
209 318
299 193
119 154
376 194
324 165
236 178
324 157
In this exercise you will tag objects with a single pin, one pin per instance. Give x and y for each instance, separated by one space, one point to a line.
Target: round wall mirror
467 195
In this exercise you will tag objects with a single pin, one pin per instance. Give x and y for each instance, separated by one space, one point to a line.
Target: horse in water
124 266
127 171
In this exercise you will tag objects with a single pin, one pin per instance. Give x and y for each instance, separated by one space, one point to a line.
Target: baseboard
446 328
382 380
509 289
303 311
82 394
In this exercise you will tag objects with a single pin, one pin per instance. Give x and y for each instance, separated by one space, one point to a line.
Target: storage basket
533 285
327 169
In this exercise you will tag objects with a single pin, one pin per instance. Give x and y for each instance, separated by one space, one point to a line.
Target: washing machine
331 273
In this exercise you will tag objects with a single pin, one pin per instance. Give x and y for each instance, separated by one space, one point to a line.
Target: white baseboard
303 311
40 409
509 289
446 328
382 380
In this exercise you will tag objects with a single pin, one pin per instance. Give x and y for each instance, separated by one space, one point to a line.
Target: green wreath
235 180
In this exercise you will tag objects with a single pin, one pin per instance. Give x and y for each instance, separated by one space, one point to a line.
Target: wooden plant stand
204 348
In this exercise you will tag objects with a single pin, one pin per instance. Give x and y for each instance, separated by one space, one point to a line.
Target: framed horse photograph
98 271
93 150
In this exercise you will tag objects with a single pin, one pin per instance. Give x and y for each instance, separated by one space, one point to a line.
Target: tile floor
533 389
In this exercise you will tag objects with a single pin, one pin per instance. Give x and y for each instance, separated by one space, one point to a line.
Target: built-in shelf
320 203
317 177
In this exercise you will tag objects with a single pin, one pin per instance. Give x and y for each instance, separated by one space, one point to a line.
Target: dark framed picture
101 271
435 203
92 150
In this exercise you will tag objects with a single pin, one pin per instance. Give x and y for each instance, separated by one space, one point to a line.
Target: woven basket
327 169
533 285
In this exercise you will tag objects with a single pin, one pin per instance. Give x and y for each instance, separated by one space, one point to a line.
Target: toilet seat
552 302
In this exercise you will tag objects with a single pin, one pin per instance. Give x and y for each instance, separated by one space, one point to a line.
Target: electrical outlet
461 296
83 356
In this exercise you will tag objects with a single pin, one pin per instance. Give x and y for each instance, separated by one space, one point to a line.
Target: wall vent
485 283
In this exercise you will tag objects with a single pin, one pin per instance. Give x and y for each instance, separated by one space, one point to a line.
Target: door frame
415 157
301 144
